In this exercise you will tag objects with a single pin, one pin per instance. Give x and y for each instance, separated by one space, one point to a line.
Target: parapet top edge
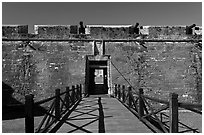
108 26
13 25
93 25
170 26
50 25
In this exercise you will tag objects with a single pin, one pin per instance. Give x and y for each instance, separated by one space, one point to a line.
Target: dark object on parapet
81 28
136 28
189 29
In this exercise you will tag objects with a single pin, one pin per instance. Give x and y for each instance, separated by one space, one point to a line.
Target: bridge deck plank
117 118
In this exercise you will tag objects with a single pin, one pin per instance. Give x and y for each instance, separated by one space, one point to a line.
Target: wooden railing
58 106
154 115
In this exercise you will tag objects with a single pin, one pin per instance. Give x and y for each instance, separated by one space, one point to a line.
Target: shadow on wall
11 108
7 98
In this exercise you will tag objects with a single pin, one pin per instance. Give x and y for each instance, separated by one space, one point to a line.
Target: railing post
116 90
73 94
141 103
123 91
57 103
173 112
67 97
161 118
77 91
29 114
85 89
80 90
129 95
119 94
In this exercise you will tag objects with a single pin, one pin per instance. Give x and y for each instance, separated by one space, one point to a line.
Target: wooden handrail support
115 91
80 86
29 105
172 104
156 99
129 95
77 91
173 113
141 105
29 114
57 103
123 93
67 98
73 93
189 105
119 93
50 98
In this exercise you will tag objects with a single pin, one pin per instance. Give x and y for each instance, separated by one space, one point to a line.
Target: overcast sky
147 13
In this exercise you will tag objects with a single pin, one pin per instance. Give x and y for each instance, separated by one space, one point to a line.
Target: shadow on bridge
88 117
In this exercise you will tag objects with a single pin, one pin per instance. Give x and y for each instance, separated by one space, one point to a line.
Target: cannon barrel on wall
189 29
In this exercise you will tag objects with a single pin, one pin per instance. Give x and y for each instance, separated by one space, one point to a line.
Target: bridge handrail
189 105
58 107
180 104
137 103
50 98
156 99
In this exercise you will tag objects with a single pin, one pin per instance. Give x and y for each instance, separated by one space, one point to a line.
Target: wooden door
98 81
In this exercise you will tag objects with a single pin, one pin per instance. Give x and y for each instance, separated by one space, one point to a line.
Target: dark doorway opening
98 83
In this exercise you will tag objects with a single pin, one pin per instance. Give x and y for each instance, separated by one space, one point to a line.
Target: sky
70 13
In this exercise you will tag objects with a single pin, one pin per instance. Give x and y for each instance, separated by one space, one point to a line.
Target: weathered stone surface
160 68
52 31
14 31
166 32
109 32
53 65
164 68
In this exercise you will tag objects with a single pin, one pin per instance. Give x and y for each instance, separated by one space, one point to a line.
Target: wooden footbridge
101 114
74 111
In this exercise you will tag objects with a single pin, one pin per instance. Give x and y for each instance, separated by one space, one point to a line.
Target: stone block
109 31
14 31
52 31
73 29
166 32
197 30
144 30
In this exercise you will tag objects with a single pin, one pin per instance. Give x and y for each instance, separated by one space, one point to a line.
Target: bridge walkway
102 114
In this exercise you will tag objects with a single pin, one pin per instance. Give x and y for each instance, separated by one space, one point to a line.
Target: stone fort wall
159 67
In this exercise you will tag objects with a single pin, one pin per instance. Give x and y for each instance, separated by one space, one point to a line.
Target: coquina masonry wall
159 67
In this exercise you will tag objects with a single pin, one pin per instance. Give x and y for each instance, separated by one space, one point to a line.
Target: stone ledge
101 31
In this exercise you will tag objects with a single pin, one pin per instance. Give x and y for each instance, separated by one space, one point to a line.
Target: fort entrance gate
98 77
98 70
